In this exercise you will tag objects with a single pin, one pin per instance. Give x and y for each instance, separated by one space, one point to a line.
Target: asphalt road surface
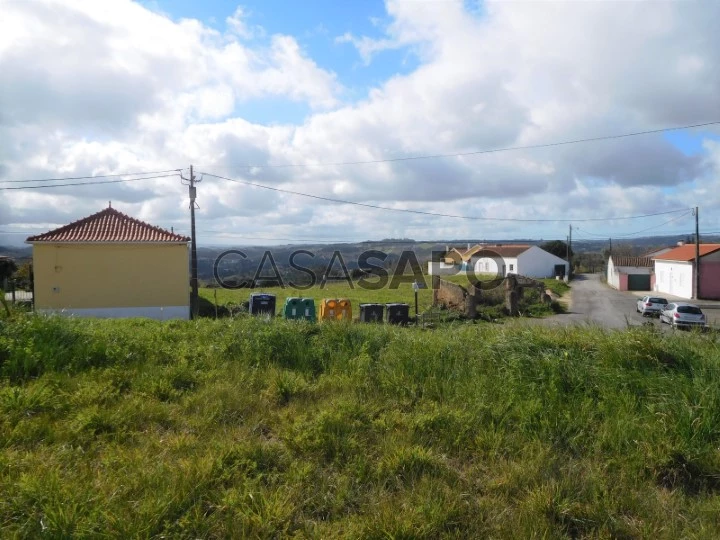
593 302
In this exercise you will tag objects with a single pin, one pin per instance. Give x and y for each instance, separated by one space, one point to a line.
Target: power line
309 241
217 234
479 152
434 214
636 232
68 178
88 183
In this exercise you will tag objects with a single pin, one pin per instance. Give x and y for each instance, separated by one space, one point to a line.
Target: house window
512 267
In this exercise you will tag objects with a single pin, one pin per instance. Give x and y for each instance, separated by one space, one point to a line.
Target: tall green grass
248 428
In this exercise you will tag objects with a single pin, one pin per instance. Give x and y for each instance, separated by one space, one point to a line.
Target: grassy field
249 428
357 295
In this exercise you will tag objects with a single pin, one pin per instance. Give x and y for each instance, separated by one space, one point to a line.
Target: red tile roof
504 250
687 252
637 262
109 225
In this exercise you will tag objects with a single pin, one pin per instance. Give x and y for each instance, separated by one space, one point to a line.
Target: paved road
593 302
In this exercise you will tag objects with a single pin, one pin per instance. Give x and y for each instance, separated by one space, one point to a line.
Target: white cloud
237 23
103 87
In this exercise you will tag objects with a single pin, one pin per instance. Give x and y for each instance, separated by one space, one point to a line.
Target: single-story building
501 259
630 273
112 265
675 272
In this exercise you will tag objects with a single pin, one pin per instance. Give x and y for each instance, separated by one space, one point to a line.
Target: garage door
638 282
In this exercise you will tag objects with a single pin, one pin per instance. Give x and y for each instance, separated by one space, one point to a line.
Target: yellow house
112 265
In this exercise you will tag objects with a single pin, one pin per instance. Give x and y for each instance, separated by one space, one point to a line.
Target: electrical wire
88 177
88 183
218 234
479 152
434 214
636 232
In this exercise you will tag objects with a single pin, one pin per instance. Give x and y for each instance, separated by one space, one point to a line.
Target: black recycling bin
372 312
262 304
398 313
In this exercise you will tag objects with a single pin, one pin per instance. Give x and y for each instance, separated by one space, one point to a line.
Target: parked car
651 305
682 315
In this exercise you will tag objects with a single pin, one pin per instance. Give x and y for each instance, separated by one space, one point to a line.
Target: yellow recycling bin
335 309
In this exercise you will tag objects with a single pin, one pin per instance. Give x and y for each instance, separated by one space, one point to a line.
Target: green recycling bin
299 309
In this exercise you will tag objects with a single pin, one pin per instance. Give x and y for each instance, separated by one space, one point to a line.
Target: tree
7 268
23 276
621 249
557 248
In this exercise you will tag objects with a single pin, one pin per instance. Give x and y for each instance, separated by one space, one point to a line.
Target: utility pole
697 253
610 246
192 191
567 257
570 253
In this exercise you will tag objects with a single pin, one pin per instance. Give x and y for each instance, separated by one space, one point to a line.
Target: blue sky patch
316 25
689 142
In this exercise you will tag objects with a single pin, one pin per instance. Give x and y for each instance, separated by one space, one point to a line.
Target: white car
651 305
682 315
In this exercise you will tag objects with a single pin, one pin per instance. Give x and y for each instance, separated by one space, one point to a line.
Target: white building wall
442 269
634 269
538 263
675 278
485 265
488 265
613 277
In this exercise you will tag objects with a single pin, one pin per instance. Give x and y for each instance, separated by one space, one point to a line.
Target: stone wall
455 297
459 298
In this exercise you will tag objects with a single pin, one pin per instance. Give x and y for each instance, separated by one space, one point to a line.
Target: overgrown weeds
250 428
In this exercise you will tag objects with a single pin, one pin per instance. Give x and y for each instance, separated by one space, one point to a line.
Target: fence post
12 290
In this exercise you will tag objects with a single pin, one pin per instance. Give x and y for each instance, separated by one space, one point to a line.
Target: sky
285 94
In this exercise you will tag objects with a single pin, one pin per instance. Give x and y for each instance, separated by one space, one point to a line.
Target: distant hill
323 254
18 253
349 253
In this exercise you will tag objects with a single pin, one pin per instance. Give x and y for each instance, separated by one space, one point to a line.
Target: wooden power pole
570 253
192 191
697 253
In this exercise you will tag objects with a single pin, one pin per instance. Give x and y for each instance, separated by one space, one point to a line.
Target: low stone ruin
466 300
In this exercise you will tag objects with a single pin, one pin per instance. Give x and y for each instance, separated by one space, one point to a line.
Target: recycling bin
299 309
262 304
372 312
398 313
335 309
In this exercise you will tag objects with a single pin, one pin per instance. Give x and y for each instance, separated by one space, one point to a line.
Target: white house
630 273
675 271
501 259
